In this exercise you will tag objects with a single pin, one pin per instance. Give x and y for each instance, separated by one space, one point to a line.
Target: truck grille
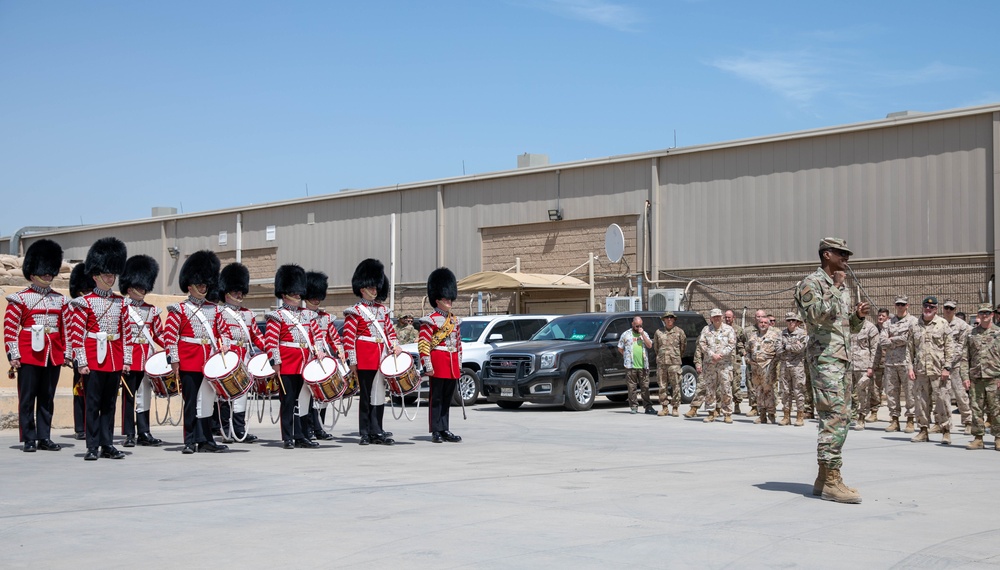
508 365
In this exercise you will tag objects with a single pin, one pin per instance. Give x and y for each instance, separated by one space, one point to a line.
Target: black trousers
101 391
130 419
369 414
36 393
79 403
291 425
196 430
442 393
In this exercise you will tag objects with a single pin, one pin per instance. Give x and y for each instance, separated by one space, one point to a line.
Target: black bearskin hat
369 273
201 268
107 255
44 257
213 295
383 290
80 282
140 272
289 280
316 284
234 277
441 284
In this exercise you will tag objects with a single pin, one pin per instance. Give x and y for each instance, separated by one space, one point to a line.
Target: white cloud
934 71
795 76
601 12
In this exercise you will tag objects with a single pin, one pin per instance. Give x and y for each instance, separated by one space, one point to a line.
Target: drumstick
125 384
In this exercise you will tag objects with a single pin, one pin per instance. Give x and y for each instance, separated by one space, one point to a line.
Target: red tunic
360 337
148 322
187 340
282 332
233 315
446 357
96 312
36 306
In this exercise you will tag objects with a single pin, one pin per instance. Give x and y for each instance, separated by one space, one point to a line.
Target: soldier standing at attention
898 364
715 345
669 344
933 354
878 366
407 333
762 347
959 332
981 354
741 340
825 304
864 345
793 370
632 346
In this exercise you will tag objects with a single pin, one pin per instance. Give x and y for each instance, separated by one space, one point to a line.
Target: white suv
480 335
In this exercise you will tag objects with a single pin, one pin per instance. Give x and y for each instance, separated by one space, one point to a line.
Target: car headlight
547 360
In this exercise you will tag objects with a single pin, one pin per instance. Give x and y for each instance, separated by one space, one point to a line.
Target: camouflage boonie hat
715 313
902 299
950 303
834 243
985 308
669 314
792 316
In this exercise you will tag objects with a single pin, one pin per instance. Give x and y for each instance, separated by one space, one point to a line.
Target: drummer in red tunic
440 347
194 331
80 284
290 340
316 286
35 339
234 284
135 282
368 338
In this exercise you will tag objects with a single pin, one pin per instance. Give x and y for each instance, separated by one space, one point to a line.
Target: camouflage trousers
984 402
832 401
793 386
737 380
764 378
638 379
809 390
668 376
897 385
861 387
718 388
958 392
932 392
875 390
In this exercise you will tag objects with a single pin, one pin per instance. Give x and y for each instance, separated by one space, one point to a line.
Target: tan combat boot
872 416
934 429
920 437
786 418
710 418
909 426
752 412
893 424
728 419
692 412
996 443
834 489
736 408
800 418
976 443
664 412
676 413
968 429
761 419
946 435
859 424
820 480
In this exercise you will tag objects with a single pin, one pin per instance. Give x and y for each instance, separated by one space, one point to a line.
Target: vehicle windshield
472 330
580 329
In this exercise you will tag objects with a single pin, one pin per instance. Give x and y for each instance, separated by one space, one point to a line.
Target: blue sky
108 108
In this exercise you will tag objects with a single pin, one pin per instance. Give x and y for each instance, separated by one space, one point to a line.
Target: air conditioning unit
622 304
665 299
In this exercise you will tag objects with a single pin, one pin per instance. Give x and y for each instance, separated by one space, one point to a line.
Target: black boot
142 426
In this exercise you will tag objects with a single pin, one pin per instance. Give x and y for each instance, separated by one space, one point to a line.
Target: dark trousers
130 419
79 402
196 430
36 393
101 390
369 414
442 393
291 425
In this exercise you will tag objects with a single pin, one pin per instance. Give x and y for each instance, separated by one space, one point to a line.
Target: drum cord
166 419
232 426
402 406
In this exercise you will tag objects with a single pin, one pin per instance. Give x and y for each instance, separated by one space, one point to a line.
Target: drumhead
313 372
157 365
260 367
220 365
395 365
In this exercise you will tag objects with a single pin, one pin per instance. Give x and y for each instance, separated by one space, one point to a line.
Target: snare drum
323 380
351 379
162 378
400 373
227 376
265 379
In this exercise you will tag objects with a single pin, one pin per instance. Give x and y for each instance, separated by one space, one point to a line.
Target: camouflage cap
715 313
950 303
669 314
985 308
792 316
834 243
930 300
902 299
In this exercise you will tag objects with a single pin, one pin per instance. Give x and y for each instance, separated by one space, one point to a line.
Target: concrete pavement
528 488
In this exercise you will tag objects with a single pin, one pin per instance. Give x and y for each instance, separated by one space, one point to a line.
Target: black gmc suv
575 358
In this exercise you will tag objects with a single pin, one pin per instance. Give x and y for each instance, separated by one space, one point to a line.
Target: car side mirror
496 337
610 337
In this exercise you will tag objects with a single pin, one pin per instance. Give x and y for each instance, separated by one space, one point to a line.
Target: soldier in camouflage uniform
669 344
793 373
406 333
959 331
933 353
864 345
741 340
825 303
981 356
762 347
716 344
899 364
878 367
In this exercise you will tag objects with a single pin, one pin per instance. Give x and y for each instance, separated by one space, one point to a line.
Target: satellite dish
614 243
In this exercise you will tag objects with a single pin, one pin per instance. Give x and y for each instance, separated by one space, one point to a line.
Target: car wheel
508 405
580 391
619 398
689 384
468 387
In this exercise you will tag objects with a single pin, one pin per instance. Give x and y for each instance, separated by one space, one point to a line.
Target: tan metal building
733 224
